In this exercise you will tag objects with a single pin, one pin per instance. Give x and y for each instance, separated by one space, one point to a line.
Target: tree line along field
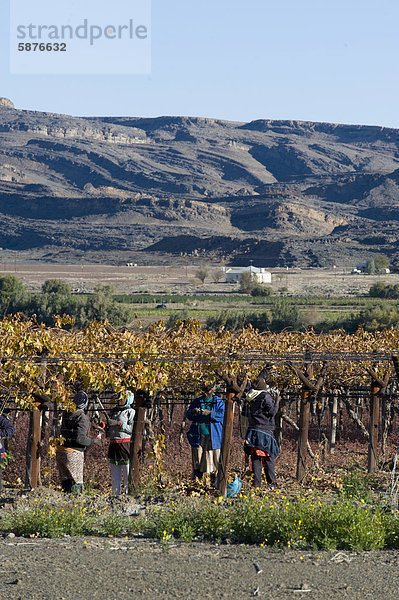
262 308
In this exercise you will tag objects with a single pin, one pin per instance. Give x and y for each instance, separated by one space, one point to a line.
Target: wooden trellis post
334 415
223 471
374 422
37 427
233 390
303 427
136 445
36 417
377 387
308 387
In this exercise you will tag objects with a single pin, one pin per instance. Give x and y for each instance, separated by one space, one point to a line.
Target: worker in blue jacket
205 434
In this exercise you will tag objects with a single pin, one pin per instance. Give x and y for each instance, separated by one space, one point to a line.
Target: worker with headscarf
260 443
70 455
120 431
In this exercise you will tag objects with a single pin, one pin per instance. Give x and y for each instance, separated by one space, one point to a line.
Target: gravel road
98 568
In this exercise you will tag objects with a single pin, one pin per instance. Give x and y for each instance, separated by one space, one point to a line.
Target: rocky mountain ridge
276 192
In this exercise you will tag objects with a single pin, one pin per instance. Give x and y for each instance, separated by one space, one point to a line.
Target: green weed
113 525
269 520
275 522
46 521
357 485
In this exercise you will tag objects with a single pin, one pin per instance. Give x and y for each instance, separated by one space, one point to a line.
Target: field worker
120 431
260 443
70 456
7 429
205 434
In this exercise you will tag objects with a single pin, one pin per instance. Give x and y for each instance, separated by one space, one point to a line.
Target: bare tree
218 275
201 274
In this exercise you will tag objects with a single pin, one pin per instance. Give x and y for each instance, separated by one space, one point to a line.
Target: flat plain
179 279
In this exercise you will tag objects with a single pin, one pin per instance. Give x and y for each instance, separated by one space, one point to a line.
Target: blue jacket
217 416
6 430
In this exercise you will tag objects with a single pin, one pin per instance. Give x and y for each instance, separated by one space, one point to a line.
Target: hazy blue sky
316 60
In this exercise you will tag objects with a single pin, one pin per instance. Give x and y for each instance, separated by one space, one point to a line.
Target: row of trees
286 315
56 298
383 290
203 273
378 264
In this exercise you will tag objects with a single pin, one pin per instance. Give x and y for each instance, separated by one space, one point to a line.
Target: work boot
77 488
66 485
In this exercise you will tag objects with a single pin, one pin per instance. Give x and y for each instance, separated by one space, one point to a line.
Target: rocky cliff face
6 103
276 191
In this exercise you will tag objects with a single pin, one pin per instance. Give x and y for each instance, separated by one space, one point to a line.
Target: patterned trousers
70 466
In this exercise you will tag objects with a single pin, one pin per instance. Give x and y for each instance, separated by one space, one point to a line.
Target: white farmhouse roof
250 269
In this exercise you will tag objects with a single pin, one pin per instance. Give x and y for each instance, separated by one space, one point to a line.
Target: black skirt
119 453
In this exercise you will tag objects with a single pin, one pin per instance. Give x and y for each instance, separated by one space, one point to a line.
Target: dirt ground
182 279
120 569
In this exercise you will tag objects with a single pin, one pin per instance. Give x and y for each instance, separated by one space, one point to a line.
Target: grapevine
100 357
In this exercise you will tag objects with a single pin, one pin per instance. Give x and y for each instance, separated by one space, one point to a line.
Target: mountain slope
280 192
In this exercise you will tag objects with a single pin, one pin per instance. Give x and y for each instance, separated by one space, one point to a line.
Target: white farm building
233 274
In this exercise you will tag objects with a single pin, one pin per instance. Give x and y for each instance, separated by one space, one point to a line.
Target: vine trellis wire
243 357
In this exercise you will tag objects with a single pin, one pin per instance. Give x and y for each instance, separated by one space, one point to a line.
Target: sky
310 60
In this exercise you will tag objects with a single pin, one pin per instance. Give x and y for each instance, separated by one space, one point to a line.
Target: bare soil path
115 568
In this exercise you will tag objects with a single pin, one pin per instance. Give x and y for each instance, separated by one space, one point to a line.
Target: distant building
360 268
233 274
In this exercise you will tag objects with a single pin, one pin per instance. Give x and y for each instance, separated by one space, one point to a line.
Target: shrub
285 315
356 485
56 286
102 306
381 290
13 294
261 290
231 320
379 317
178 316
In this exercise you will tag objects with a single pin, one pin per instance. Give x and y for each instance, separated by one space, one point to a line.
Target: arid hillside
275 192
